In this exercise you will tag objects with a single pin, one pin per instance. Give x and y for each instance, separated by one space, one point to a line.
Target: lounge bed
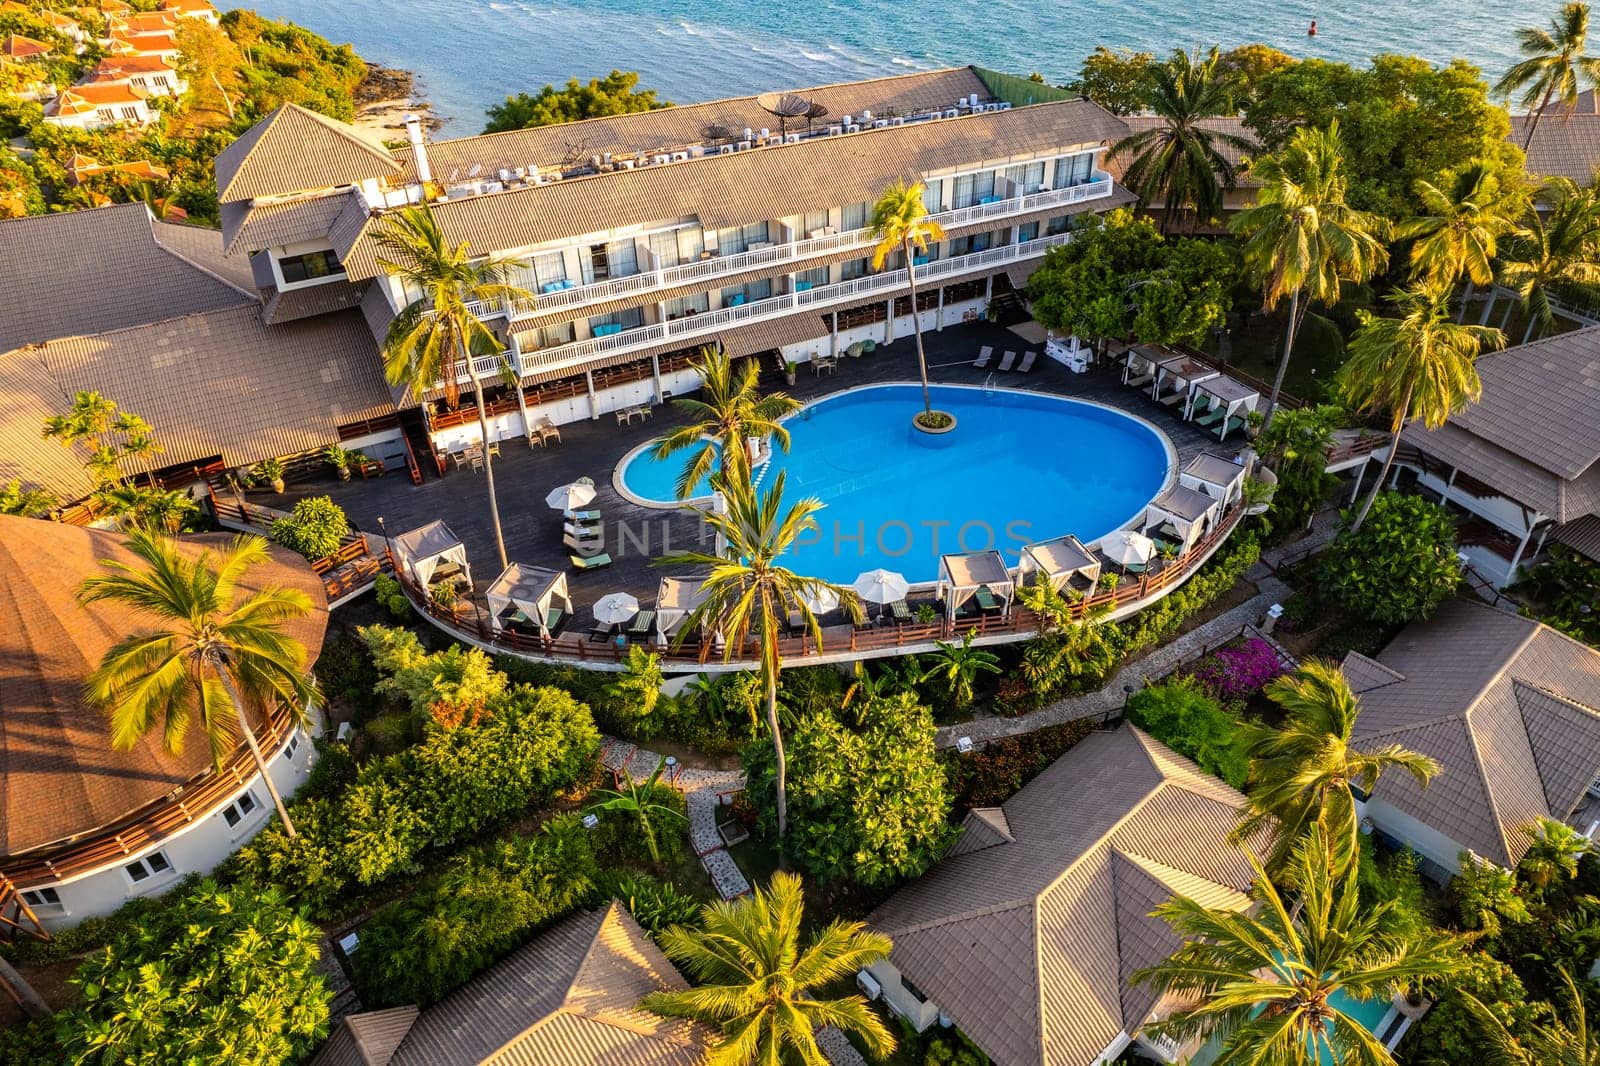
590 562
1007 362
1027 362
984 355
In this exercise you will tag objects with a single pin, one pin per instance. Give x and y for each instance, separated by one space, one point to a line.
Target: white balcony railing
488 368
794 251
580 352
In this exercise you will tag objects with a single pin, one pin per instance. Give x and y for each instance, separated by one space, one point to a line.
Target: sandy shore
384 99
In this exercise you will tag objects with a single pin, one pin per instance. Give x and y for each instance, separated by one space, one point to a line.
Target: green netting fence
1020 92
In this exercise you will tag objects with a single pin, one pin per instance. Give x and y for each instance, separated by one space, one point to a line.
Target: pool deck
524 475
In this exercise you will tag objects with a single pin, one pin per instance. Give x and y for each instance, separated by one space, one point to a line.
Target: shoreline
385 97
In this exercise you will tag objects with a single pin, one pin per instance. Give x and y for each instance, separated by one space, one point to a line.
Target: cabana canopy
1217 476
1188 512
1139 361
531 589
961 576
1232 396
675 600
429 549
1058 561
1181 373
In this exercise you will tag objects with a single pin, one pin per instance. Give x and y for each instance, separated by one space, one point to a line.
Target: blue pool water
1019 467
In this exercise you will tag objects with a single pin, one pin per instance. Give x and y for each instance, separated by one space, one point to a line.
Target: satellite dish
716 134
786 106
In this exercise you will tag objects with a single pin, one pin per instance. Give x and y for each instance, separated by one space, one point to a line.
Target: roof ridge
1374 661
254 297
1558 697
976 912
253 306
1474 746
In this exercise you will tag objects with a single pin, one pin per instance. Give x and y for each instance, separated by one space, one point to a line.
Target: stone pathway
837 1047
703 792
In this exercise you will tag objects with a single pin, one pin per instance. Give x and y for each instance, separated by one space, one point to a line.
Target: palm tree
732 414
960 665
748 591
213 649
1462 219
1302 240
1553 248
1554 66
757 983
1265 981
1555 851
1301 771
1420 366
900 223
433 341
1179 163
638 686
640 801
1566 1041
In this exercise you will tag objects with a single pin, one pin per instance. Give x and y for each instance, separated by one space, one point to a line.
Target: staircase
419 446
1007 309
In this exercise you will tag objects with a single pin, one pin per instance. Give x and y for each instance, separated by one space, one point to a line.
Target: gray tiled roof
1566 143
1508 707
295 150
1027 943
202 246
1231 124
291 305
90 271
250 227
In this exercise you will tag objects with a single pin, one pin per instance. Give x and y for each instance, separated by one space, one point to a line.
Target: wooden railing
471 620
347 570
152 823
1363 445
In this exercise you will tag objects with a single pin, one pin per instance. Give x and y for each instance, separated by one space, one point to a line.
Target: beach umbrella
820 601
570 497
1126 548
881 586
614 608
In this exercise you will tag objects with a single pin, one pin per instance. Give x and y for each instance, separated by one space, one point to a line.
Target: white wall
388 446
1423 839
198 848
920 1013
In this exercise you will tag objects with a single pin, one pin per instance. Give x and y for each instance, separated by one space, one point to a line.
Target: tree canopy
1117 81
614 94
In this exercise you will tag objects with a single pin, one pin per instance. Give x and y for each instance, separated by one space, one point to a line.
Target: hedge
988 777
1159 621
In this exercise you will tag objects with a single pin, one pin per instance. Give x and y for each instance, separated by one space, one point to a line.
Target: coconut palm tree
432 342
760 986
1301 239
1265 982
1302 770
1554 852
1179 164
1554 67
1420 366
212 649
749 592
1553 248
1566 1041
639 800
960 665
900 223
1462 219
731 414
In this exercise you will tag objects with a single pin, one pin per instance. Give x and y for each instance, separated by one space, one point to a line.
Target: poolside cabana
1217 476
1227 403
1178 517
676 599
528 596
1139 366
980 576
1180 375
1064 562
432 554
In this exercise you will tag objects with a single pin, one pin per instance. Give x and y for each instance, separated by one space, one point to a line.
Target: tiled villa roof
296 150
1510 709
249 227
1566 143
1233 124
59 776
1028 932
569 997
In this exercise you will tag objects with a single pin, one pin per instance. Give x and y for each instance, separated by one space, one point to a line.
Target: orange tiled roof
81 99
17 46
134 64
143 42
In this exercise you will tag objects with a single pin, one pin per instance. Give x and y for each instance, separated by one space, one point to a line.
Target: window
1073 170
130 114
933 196
815 277
292 747
606 325
549 267
736 239
691 245
152 865
813 220
622 257
855 216
853 268
973 188
554 336
1059 224
1026 178
42 897
664 246
310 266
679 306
742 294
1027 232
240 809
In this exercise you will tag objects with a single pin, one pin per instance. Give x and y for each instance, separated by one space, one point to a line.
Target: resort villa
84 827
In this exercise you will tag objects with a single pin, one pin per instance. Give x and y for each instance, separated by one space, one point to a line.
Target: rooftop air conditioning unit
661 159
897 121
854 127
607 158
834 131
1003 105
680 157
846 119
626 164
765 133
745 146
724 149
793 138
866 116
973 99
749 134
594 161
540 179
880 123
952 113
868 984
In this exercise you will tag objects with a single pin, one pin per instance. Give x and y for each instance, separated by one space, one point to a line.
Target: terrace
635 535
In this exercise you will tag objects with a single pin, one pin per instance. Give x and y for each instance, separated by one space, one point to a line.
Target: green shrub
345 672
1399 566
333 770
213 975
315 528
387 589
88 935
989 777
1392 877
1449 1035
450 687
487 902
655 905
619 837
1162 619
1185 717
629 709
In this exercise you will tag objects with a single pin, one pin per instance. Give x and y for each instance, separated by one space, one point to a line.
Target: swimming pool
1019 467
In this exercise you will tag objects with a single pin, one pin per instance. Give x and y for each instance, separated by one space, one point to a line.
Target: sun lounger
1210 418
985 599
582 530
1008 361
642 623
581 516
1141 382
1027 362
1233 424
984 353
553 618
900 612
592 562
601 631
1172 399
585 545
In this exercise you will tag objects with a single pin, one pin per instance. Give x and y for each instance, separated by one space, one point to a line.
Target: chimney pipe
419 149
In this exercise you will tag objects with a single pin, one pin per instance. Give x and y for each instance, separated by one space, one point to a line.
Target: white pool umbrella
570 497
1126 548
881 586
614 608
821 601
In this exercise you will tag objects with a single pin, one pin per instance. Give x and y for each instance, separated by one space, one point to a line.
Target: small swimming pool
1019 467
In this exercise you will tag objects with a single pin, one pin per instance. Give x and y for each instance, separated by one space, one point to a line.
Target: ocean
469 54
